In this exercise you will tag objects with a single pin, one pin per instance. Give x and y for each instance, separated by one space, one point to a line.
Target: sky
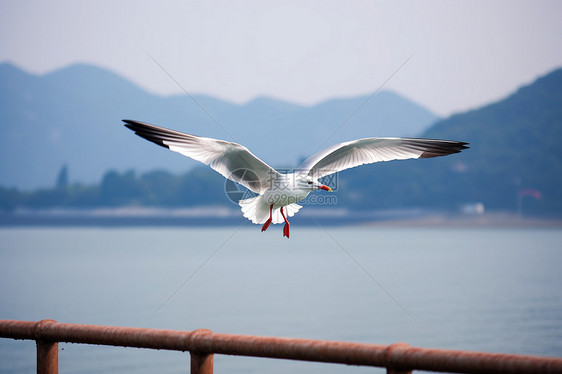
449 56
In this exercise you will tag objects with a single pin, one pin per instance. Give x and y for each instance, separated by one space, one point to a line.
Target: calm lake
485 289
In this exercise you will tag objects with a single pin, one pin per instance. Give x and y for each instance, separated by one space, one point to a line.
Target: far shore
493 219
229 216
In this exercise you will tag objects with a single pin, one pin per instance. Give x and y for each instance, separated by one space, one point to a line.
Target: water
480 289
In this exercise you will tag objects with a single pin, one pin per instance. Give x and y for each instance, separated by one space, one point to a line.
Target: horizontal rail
399 357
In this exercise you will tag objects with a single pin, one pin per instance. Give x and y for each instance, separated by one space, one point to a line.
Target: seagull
278 193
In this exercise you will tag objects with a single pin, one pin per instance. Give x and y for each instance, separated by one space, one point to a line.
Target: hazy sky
465 53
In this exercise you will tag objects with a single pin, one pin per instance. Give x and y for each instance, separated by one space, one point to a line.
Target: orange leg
286 228
268 222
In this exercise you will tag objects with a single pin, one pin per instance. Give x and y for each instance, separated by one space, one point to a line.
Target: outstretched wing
369 150
232 160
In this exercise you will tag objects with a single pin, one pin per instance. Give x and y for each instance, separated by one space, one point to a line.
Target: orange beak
325 188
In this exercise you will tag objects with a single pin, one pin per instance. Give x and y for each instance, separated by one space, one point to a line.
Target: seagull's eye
309 182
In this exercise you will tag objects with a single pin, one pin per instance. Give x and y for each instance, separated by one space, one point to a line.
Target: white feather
232 160
256 209
369 150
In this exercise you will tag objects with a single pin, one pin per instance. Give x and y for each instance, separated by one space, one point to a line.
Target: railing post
201 363
390 364
47 350
47 357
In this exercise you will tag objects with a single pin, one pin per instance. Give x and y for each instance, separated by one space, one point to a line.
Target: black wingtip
143 130
129 123
437 148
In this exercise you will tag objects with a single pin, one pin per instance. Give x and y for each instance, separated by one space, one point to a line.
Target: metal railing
202 344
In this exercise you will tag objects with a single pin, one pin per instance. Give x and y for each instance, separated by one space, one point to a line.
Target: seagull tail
256 210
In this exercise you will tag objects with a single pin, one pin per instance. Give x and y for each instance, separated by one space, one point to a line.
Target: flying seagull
278 193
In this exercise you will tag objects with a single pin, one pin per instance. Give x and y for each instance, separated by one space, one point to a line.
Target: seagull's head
313 184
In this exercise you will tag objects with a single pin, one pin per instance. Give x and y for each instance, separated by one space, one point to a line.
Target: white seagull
279 193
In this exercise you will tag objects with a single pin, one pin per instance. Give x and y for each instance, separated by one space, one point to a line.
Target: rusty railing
202 344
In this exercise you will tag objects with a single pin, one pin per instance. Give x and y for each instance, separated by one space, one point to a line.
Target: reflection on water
476 289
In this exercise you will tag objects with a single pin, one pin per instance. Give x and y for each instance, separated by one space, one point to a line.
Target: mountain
513 164
72 117
514 161
515 146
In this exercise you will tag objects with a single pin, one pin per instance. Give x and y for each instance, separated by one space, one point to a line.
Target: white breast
285 191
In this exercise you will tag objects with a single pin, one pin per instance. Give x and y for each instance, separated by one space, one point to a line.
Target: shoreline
493 219
220 217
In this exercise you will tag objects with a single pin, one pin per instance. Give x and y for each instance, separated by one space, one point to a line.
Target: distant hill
515 158
514 161
73 117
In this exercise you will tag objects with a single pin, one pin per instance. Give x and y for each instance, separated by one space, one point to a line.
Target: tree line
155 188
